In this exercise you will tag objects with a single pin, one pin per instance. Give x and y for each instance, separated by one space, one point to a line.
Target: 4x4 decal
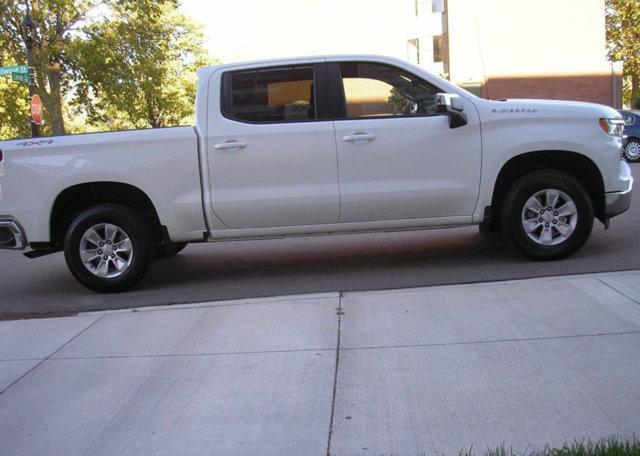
36 142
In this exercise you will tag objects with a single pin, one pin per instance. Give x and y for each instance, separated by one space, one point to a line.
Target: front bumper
12 235
617 202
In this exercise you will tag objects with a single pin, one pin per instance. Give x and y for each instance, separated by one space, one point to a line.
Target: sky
262 29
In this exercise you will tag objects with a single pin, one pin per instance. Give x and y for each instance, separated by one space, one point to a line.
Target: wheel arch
576 164
76 198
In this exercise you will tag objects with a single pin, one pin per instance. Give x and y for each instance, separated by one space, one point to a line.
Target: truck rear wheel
547 215
108 248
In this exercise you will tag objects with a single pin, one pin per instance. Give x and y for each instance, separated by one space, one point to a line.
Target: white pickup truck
334 144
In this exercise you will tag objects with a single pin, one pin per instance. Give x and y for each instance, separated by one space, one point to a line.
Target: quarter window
377 90
271 95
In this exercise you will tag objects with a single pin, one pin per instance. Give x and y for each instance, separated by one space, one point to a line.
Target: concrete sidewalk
525 363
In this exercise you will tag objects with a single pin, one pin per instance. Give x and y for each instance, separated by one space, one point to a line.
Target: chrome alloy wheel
549 217
106 250
632 151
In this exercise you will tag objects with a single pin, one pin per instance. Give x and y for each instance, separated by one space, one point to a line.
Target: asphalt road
233 270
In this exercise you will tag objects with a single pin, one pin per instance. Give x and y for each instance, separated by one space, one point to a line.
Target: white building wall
494 38
285 28
263 29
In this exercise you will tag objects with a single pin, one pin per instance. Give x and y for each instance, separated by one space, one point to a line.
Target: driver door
398 158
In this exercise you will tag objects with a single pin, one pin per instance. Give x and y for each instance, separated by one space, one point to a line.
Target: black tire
170 249
631 143
527 186
138 232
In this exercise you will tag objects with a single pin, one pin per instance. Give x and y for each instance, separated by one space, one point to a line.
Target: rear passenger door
272 159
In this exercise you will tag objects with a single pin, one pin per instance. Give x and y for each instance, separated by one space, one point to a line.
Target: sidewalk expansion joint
617 291
335 375
53 353
494 341
183 355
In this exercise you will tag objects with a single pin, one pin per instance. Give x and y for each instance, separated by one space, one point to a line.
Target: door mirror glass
451 105
628 120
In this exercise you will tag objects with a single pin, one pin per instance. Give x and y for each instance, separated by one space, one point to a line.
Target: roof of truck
301 59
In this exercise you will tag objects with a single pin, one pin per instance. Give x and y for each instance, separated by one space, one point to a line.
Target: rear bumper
12 235
618 202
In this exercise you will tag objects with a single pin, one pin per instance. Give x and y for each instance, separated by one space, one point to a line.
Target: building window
421 7
414 51
440 48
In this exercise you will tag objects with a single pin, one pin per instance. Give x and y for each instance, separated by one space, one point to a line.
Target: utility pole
28 30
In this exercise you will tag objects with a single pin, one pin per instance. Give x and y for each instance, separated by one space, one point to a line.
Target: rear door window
266 95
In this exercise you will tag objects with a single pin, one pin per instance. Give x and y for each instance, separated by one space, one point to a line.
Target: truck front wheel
547 215
108 248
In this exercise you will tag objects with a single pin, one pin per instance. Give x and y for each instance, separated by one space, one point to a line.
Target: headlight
613 127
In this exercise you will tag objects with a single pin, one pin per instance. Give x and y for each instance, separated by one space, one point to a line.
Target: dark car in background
632 132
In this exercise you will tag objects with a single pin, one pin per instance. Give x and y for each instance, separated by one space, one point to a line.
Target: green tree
623 39
138 67
101 64
54 20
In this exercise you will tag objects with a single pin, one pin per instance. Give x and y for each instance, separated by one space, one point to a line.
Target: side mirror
451 105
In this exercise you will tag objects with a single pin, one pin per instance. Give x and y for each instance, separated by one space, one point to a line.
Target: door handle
359 137
230 145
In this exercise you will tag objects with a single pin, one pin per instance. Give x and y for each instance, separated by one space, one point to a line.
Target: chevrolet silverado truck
307 146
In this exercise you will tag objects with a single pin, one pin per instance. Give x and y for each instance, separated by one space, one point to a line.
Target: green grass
605 447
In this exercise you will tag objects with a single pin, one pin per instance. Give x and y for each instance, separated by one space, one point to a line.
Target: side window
377 90
270 94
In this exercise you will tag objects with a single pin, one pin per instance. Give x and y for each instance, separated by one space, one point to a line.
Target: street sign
19 77
37 109
9 70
